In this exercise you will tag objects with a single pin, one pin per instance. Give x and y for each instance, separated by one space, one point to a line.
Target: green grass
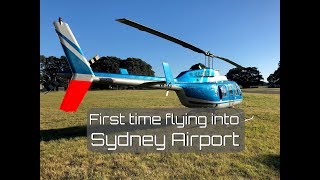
262 90
64 154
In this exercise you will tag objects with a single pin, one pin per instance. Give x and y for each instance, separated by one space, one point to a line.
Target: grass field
64 154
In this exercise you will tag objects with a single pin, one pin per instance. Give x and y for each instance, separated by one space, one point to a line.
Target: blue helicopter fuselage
195 88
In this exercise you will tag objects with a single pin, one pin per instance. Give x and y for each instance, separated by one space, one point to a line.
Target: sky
246 32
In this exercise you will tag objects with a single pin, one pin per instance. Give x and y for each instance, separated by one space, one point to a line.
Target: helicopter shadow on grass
68 133
81 131
270 160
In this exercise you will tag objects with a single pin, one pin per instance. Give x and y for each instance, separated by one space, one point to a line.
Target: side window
236 91
222 91
230 87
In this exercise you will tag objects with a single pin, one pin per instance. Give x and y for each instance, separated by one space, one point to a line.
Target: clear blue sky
246 31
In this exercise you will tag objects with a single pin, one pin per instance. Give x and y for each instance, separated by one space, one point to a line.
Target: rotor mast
208 61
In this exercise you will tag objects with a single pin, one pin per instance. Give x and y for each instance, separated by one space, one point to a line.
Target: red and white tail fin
82 75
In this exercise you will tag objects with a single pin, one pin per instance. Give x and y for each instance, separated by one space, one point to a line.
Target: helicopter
198 87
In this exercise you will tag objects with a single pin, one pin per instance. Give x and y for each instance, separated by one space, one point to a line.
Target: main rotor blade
172 39
227 60
160 34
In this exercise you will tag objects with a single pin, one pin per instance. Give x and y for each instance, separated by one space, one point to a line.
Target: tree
111 64
108 64
42 60
137 66
134 66
274 79
245 77
49 67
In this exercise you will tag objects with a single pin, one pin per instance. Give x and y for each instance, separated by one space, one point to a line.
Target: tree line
250 76
51 66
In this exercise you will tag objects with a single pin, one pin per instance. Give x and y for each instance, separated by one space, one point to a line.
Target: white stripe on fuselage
135 82
193 102
124 81
217 78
